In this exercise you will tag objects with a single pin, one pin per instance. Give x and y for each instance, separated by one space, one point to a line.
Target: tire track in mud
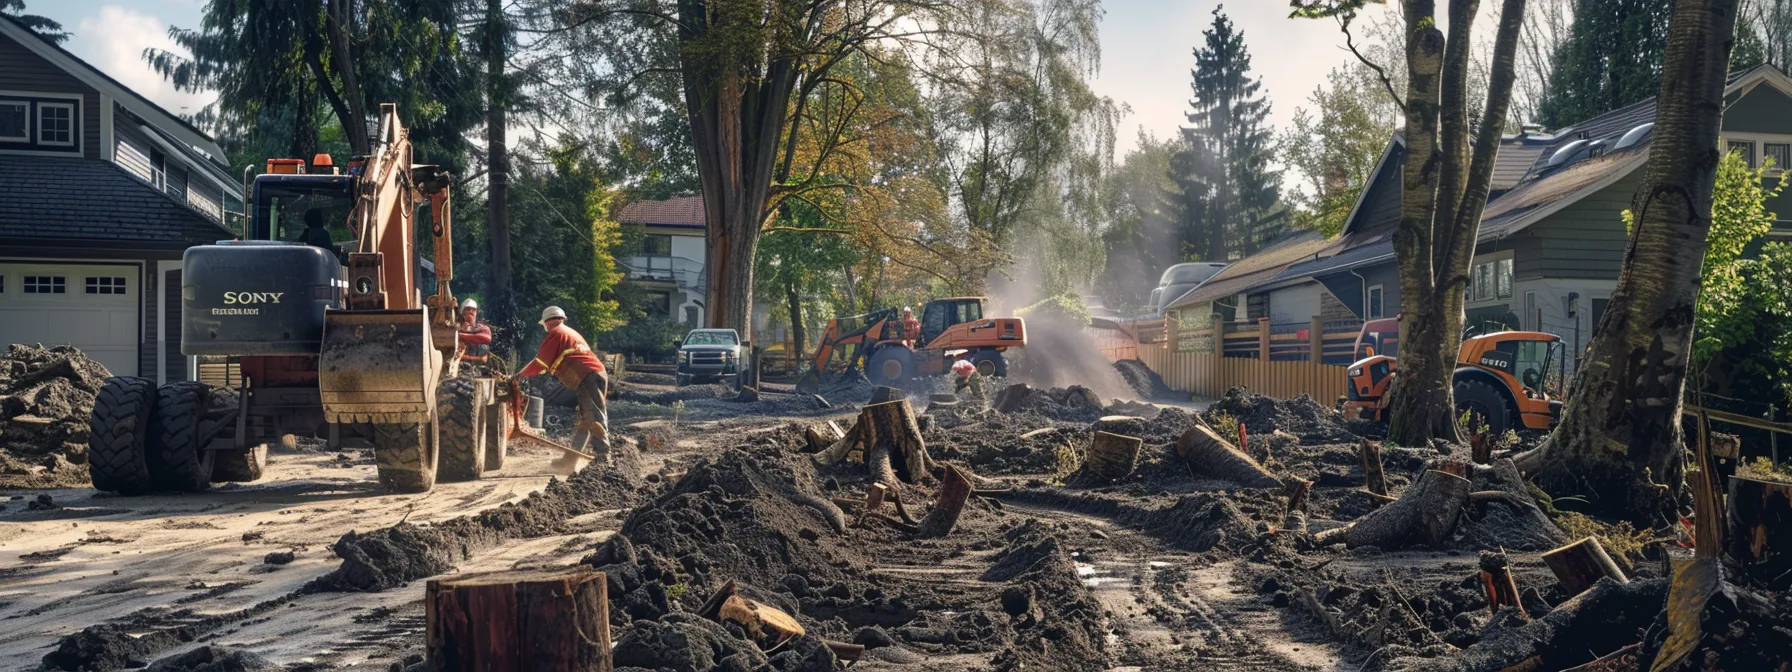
1173 611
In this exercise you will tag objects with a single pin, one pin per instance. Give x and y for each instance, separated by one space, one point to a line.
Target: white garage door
90 306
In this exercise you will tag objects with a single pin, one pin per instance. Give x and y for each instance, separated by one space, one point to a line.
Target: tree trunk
1581 564
1374 480
519 620
893 446
1444 184
1619 442
500 308
799 337
1211 456
1760 530
338 17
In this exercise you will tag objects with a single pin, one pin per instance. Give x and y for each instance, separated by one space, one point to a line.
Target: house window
56 124
1779 153
46 284
659 304
158 169
1746 149
105 285
1502 278
1375 301
657 245
1530 312
15 121
1483 282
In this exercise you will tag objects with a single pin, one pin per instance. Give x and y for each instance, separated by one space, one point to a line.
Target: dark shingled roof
1254 270
55 198
676 211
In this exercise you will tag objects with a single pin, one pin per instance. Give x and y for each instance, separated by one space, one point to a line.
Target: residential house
101 191
670 265
1551 241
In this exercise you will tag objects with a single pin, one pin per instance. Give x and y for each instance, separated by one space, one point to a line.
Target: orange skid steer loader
1502 381
951 330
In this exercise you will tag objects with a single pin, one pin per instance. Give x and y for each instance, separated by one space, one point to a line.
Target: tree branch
1381 73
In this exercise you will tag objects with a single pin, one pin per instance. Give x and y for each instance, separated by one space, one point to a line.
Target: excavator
1502 380
324 306
952 329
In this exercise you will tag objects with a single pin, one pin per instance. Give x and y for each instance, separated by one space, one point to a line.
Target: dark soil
46 395
1145 382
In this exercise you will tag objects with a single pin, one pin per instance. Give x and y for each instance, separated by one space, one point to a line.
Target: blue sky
1146 51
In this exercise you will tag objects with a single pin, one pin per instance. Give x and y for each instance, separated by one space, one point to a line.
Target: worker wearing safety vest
565 356
967 378
475 339
911 327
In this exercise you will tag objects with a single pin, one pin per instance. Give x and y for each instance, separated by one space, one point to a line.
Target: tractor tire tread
1471 390
176 461
463 455
401 452
117 460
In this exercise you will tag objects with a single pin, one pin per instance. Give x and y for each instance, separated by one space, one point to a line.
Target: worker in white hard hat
565 356
475 339
911 328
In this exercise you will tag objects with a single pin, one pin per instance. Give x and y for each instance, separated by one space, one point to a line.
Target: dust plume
1059 352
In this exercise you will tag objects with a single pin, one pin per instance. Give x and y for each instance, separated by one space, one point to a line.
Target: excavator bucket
377 366
809 383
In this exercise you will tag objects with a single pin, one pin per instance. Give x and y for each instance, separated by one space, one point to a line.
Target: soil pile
397 555
1145 382
46 396
1075 403
1301 416
213 658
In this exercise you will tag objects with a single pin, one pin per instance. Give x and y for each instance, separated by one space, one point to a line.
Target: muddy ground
1049 569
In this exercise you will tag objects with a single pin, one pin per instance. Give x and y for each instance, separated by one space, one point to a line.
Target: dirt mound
1145 382
391 557
212 658
46 395
1075 403
1301 416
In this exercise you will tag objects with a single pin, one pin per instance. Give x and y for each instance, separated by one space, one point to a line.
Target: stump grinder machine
1503 380
333 338
951 330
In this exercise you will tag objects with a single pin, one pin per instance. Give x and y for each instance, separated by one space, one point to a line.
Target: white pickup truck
708 355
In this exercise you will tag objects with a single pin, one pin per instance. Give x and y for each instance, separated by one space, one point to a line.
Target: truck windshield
711 338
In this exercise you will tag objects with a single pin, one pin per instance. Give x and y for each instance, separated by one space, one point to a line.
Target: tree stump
1209 455
1480 449
1010 398
1760 530
1294 514
1581 564
894 450
519 620
1373 479
747 393
1426 511
884 394
1112 456
955 490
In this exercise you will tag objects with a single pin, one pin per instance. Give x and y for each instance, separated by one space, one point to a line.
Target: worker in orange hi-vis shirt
565 356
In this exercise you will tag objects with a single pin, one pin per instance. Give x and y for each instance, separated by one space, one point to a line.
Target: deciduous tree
44 26
1334 145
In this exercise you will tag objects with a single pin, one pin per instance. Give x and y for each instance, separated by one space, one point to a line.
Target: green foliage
1322 9
649 337
1621 539
1612 58
1335 143
1225 181
1067 306
1748 51
1763 469
1739 217
42 25
1140 241
1224 424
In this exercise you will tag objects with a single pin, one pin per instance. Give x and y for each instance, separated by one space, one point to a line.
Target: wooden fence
1249 354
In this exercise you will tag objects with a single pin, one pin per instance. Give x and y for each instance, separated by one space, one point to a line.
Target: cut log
885 394
1760 530
1209 455
1373 479
1010 398
820 438
839 449
1426 512
1581 564
893 446
766 625
1496 577
1112 456
519 620
844 651
955 490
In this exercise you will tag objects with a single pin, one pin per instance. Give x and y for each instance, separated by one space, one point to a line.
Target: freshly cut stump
1581 564
519 620
1373 479
1112 456
1209 455
955 490
894 450
1760 529
1426 512
1496 577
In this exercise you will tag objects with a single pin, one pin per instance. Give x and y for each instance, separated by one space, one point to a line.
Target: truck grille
706 358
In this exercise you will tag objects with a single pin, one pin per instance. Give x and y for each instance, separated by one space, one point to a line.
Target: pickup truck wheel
117 460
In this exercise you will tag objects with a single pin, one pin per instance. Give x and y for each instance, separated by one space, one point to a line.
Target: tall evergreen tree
1225 182
1612 58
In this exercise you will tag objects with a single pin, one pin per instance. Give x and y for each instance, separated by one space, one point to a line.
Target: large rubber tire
176 460
1484 406
118 430
891 365
460 408
405 454
497 435
990 363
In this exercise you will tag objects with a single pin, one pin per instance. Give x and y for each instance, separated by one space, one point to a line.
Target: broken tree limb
893 446
840 447
1373 479
874 499
1496 577
1209 455
1294 514
1112 456
955 490
519 620
823 437
1581 564
1427 512
1760 530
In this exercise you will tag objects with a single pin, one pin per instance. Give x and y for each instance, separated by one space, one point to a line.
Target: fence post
1170 336
1316 341
1263 339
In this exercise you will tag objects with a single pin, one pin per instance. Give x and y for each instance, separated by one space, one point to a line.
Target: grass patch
1623 541
1224 424
1763 469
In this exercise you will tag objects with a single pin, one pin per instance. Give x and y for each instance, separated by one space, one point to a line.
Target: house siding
1584 240
1763 110
27 72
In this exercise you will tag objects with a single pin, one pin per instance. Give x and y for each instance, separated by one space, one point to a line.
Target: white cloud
114 40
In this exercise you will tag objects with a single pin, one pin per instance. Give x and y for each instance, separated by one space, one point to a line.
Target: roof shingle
79 199
676 211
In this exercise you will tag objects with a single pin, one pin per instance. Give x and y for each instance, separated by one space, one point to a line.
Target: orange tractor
951 330
1502 381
